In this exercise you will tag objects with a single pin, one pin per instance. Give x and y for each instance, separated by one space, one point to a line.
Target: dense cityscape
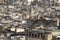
29 19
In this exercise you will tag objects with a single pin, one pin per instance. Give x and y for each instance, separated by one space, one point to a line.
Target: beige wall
1 1
49 36
55 33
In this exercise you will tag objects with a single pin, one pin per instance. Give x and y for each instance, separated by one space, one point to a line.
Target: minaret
29 1
58 21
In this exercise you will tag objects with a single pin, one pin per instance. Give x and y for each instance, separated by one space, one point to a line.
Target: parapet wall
50 36
55 33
